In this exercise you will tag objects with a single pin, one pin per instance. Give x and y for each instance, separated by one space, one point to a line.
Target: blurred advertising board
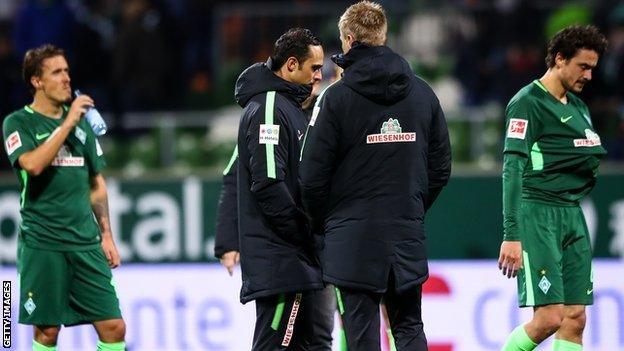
163 221
467 306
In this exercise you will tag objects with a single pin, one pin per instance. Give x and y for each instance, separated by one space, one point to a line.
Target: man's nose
317 75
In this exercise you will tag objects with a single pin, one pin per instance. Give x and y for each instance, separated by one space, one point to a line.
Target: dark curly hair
293 43
33 62
573 38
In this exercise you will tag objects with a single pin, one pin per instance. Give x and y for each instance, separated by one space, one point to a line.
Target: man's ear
350 40
559 60
35 81
292 64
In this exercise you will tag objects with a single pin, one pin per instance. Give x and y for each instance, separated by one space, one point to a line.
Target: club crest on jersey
517 128
81 135
391 132
269 134
591 139
13 142
64 158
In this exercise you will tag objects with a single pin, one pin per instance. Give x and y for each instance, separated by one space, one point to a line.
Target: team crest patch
81 135
391 132
13 142
591 139
269 134
517 128
30 306
544 285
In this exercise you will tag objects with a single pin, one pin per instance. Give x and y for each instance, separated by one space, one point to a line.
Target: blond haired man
376 156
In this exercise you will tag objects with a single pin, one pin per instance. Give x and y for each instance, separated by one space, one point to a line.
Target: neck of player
553 84
47 107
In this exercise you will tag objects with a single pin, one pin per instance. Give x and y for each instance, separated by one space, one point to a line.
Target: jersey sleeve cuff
511 237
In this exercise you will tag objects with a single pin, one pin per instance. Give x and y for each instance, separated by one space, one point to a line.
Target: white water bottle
94 118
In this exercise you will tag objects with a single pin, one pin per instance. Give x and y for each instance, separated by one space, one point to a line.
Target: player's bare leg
45 337
111 334
570 334
545 322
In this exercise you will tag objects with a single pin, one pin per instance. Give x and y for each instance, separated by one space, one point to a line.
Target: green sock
41 347
564 345
391 339
113 346
518 340
342 341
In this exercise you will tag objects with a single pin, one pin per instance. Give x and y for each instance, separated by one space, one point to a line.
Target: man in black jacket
227 249
278 262
376 156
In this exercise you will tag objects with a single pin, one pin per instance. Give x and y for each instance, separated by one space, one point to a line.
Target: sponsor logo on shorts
591 139
13 142
517 128
391 132
290 327
269 134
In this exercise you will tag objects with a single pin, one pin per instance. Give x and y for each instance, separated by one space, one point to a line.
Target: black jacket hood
258 78
376 72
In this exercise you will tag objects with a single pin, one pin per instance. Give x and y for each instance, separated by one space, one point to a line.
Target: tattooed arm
99 205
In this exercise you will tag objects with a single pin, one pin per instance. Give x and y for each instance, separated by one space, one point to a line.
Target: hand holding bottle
93 116
78 108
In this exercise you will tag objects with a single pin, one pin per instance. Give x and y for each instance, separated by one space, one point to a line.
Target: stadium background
162 73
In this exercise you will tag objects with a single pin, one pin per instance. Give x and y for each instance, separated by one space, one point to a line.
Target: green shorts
65 287
557 256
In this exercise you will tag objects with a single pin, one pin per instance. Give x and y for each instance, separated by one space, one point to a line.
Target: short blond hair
366 22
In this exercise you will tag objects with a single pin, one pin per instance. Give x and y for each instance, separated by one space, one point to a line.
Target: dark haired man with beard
278 262
226 247
551 159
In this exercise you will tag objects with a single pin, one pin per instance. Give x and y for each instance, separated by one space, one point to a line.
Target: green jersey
55 205
562 148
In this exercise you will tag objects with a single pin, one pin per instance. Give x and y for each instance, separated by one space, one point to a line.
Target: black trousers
324 305
295 321
359 311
